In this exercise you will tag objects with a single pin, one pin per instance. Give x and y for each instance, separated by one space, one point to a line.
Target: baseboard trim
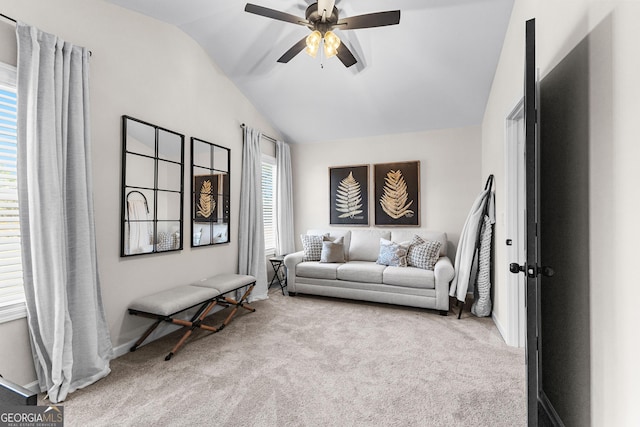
501 329
123 349
34 386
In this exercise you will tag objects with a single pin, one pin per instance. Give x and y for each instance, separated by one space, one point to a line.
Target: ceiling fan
321 18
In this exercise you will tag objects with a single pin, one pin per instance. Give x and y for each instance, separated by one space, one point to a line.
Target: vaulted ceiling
431 71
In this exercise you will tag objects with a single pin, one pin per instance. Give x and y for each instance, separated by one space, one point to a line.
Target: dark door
564 337
557 234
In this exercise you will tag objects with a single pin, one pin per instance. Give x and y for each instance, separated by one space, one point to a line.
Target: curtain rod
270 138
15 22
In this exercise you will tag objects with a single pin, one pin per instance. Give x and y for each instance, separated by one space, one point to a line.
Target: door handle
546 271
516 268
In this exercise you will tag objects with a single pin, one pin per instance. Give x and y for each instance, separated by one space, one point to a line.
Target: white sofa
361 278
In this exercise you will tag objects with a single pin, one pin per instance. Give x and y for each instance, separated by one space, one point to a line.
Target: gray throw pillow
423 254
332 250
312 246
392 254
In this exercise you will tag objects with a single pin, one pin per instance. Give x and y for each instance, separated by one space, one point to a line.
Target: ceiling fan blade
378 19
275 14
345 56
295 49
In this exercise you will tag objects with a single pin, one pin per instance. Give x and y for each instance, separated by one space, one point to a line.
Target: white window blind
268 176
11 290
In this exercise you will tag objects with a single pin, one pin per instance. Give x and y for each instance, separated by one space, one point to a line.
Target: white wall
614 66
154 72
450 177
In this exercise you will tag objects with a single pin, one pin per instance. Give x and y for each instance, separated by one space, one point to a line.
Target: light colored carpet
311 361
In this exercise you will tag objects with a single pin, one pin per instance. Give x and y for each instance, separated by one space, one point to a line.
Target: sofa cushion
410 277
312 247
403 235
361 271
392 253
332 251
317 270
365 244
423 254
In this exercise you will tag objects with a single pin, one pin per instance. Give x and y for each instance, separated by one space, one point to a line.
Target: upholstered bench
205 294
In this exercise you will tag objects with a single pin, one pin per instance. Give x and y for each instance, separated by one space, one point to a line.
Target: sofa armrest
290 262
443 270
443 273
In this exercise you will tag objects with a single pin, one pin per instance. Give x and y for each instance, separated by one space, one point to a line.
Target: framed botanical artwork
206 198
397 193
349 195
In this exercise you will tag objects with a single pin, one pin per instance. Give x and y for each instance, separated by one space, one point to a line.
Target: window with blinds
268 180
11 291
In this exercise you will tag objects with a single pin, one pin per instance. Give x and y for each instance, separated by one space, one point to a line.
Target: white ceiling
434 70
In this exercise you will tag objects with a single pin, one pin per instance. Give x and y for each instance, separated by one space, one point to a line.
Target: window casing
12 301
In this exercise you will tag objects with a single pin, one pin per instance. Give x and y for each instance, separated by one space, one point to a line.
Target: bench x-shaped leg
237 304
194 323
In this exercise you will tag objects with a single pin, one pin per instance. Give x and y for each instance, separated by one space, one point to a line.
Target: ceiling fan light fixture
313 43
331 44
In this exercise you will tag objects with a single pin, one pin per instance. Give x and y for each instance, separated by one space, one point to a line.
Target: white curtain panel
69 334
285 243
251 254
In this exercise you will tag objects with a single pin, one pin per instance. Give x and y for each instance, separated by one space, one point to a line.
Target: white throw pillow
332 250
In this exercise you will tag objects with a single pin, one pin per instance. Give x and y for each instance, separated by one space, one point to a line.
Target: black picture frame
349 195
397 193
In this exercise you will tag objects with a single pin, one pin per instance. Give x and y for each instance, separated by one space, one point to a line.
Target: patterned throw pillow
332 250
392 254
312 246
423 254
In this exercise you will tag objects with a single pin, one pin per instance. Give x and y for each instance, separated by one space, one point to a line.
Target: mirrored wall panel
152 188
210 193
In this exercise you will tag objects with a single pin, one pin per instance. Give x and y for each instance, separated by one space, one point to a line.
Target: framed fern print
397 193
349 195
206 198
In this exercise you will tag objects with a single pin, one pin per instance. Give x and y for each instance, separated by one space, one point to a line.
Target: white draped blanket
467 243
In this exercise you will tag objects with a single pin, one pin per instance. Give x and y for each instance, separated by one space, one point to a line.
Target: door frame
532 162
515 216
